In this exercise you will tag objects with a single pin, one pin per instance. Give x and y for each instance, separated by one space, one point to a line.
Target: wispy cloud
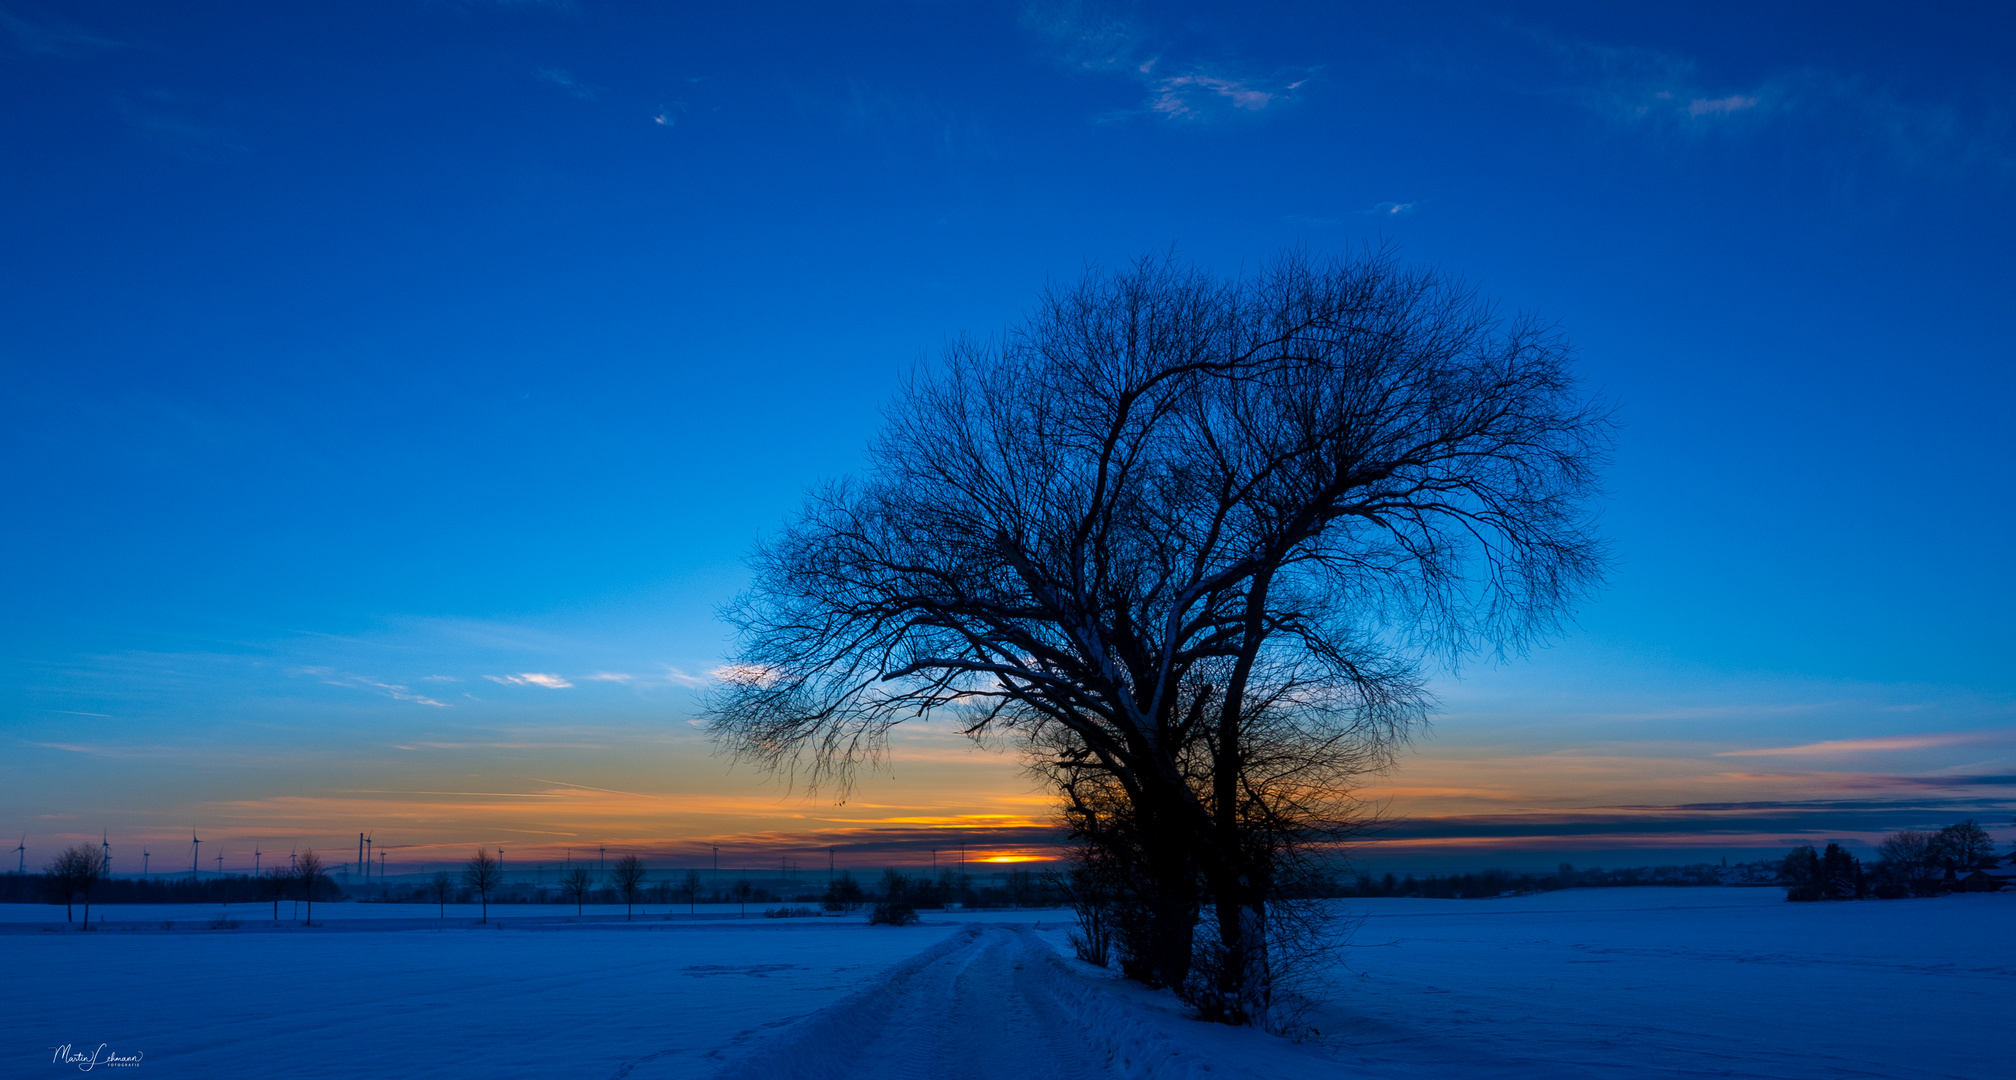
751 674
691 682
532 678
179 124
395 691
1090 37
1867 746
1654 90
50 38
1192 95
560 78
1709 106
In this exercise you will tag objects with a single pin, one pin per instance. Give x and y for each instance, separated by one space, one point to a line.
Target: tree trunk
1245 989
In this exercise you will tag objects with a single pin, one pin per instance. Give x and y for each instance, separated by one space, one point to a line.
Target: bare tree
576 884
308 869
1911 860
690 885
482 874
1195 539
1964 848
844 894
440 888
628 877
74 872
743 890
273 886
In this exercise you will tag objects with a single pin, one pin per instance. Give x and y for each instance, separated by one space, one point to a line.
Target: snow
1585 983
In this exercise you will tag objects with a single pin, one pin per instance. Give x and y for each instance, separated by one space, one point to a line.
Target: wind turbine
21 853
195 851
105 848
367 858
255 860
144 855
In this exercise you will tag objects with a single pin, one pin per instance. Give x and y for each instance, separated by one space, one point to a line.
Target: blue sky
368 358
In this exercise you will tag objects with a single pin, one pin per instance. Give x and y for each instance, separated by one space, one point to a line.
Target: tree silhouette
1187 541
629 880
690 885
576 884
75 871
273 886
1964 848
482 874
1911 861
440 888
308 868
843 893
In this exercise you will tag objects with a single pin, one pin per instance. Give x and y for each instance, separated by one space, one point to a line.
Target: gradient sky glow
395 387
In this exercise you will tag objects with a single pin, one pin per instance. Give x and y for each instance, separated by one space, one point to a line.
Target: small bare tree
577 884
273 886
74 872
1198 540
440 888
628 877
308 869
689 886
743 890
482 874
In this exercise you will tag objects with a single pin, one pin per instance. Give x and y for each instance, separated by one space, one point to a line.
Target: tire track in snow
993 1003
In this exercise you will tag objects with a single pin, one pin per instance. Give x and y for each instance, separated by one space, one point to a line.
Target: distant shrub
844 894
225 924
892 913
789 912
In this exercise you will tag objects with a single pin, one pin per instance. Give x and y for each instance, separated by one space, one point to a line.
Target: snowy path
995 1003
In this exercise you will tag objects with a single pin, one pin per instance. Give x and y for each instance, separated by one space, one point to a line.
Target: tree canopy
1189 541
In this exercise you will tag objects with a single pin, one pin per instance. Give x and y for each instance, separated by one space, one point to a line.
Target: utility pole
105 848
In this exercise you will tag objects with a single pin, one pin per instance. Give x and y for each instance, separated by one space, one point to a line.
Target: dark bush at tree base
889 913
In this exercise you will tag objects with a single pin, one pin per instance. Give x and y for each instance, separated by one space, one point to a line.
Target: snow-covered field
1587 983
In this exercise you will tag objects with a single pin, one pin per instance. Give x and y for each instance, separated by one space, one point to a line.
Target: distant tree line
1489 883
1910 862
234 889
78 875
